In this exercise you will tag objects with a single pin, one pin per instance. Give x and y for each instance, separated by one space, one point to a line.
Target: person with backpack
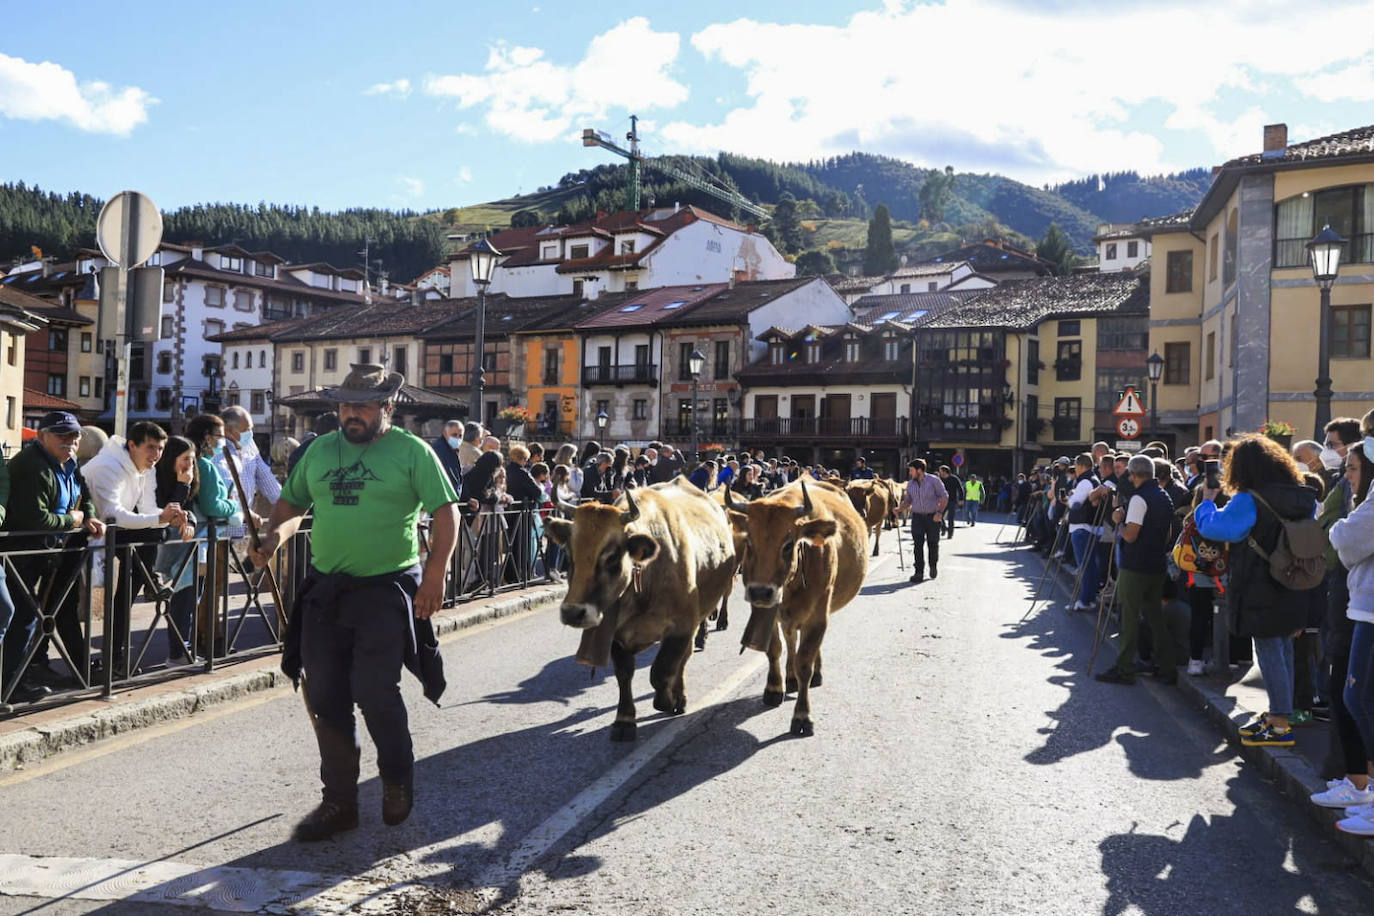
1269 524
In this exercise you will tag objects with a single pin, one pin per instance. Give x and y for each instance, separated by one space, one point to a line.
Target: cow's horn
805 508
632 513
730 499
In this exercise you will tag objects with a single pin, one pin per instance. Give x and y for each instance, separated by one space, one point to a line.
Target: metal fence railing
90 619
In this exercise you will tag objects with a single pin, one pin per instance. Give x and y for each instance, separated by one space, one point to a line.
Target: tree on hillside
935 194
1054 247
879 256
815 263
525 219
787 223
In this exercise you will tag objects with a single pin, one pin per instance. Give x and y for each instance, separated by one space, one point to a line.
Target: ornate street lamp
601 419
482 257
695 363
1325 253
1154 368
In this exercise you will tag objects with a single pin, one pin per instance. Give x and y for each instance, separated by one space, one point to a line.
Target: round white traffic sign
129 229
1128 427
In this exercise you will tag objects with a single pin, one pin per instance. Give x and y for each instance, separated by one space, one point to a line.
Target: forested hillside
58 224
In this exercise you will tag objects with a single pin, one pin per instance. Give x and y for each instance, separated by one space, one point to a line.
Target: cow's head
603 551
775 530
859 494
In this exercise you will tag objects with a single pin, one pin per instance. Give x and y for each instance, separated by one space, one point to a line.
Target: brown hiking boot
325 821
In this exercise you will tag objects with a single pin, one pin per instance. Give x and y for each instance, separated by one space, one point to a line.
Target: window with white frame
243 300
231 263
213 326
214 296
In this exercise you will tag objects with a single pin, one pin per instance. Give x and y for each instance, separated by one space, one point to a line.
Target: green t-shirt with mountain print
367 500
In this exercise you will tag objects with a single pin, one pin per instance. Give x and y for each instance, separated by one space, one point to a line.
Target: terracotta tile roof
383 318
407 396
40 400
19 299
733 305
928 269
57 314
1358 141
912 308
505 316
651 306
990 256
1023 304
265 331
284 283
843 284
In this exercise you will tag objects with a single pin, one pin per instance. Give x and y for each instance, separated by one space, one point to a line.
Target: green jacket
1333 508
33 488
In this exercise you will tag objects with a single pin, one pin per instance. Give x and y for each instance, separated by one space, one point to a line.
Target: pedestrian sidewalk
29 738
1235 697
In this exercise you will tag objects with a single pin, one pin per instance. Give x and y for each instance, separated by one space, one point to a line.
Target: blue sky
427 104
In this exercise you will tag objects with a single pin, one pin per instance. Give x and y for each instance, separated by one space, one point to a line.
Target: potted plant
515 417
1281 431
711 450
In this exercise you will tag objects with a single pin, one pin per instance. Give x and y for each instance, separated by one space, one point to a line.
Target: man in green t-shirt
352 622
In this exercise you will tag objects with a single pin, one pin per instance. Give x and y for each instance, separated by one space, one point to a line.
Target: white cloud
400 87
49 91
1039 94
526 96
411 187
464 174
1354 83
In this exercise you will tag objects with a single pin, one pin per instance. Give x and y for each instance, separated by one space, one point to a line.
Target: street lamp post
1154 367
601 419
695 363
482 258
1324 251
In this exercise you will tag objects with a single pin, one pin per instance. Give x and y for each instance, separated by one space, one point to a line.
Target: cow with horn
873 500
804 558
647 570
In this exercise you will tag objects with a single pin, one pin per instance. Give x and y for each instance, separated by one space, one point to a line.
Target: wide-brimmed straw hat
366 383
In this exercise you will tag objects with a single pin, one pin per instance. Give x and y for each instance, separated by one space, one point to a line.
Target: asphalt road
962 763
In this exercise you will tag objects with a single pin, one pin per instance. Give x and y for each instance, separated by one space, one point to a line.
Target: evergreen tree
879 256
1054 247
787 223
815 263
935 194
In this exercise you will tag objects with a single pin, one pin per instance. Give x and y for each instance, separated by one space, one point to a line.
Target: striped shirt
926 496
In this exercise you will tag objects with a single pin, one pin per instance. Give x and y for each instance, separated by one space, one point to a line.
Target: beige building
17 321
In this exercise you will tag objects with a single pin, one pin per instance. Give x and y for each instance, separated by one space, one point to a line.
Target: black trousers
948 520
352 651
60 572
925 530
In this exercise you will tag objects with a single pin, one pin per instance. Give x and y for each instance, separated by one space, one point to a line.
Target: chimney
1215 169
1275 137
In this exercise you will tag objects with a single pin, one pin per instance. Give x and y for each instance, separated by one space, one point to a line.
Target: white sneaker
1343 795
1364 810
1195 667
1359 826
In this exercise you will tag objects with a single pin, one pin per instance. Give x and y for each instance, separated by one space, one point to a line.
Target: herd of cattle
656 565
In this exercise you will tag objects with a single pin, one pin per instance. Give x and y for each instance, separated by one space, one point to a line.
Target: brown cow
804 559
646 570
872 499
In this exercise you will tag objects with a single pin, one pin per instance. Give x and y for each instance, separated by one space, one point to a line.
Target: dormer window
813 351
577 251
627 246
775 352
226 262
263 269
851 350
549 252
891 346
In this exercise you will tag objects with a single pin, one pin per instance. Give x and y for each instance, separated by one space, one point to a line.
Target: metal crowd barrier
203 596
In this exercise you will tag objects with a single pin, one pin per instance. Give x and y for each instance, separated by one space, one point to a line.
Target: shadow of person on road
559 681
1253 860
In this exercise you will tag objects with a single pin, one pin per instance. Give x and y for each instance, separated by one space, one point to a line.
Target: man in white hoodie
123 487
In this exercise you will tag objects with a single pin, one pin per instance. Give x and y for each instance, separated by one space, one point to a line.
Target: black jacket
478 479
1259 605
448 458
522 487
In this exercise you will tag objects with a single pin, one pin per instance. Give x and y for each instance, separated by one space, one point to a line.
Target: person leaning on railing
48 493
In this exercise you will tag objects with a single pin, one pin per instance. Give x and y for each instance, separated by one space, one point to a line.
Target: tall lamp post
1154 368
482 259
1324 251
695 363
601 419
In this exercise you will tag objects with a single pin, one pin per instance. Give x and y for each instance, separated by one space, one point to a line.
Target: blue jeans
971 508
1275 657
1359 681
18 639
1086 556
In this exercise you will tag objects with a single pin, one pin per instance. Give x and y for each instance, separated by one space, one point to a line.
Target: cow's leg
723 615
816 672
808 654
623 728
773 690
791 632
679 684
877 537
672 654
701 636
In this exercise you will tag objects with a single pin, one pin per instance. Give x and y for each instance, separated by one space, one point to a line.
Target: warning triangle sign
1130 405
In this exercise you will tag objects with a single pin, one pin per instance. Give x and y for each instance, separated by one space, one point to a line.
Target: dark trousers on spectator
1200 625
925 531
948 520
140 559
1140 595
46 578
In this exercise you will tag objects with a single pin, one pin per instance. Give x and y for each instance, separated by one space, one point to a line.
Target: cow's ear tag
637 577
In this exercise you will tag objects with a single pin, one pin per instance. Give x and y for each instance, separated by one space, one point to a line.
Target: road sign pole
128 230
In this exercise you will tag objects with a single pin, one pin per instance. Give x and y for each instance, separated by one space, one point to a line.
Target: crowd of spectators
1276 542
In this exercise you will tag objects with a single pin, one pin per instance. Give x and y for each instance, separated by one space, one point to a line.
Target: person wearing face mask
254 471
446 447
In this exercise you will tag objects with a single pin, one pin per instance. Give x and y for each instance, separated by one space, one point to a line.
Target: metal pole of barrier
210 592
107 650
1054 563
1104 609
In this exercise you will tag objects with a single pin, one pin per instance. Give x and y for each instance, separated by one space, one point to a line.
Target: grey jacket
1353 538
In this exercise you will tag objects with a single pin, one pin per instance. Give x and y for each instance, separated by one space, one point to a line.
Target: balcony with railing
823 428
625 374
706 429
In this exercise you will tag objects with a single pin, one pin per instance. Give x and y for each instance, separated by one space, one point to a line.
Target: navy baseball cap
59 421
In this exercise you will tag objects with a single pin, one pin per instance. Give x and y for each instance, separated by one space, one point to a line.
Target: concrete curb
29 746
1295 777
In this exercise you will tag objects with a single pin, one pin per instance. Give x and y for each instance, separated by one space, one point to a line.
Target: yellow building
1240 335
16 323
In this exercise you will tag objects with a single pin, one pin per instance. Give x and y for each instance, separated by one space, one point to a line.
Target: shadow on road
1161 876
